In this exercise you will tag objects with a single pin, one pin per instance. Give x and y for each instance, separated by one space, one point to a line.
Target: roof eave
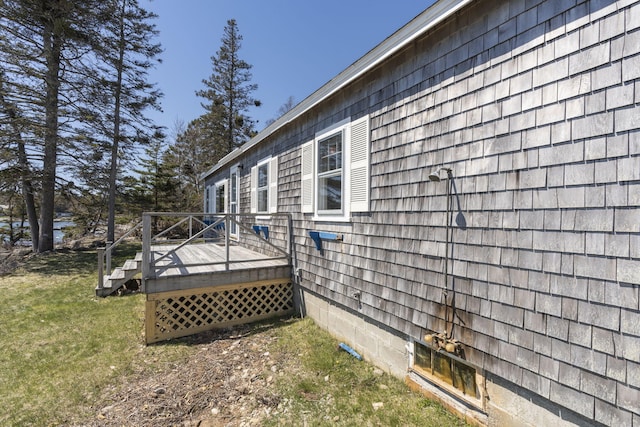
405 35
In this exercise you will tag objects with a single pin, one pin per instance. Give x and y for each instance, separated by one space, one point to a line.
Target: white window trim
355 164
345 214
207 199
307 170
272 186
234 169
272 193
343 211
225 184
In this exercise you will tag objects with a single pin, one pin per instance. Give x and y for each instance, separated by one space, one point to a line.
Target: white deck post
227 223
289 237
146 248
109 247
100 268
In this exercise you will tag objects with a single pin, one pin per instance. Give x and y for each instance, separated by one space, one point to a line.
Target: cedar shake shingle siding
535 107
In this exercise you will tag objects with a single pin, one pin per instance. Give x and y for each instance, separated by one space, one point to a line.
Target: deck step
120 275
130 264
107 282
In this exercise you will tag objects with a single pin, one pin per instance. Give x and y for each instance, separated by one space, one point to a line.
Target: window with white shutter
254 189
330 183
335 171
264 186
220 197
360 165
273 185
307 177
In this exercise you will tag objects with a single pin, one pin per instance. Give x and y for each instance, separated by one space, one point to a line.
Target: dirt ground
226 382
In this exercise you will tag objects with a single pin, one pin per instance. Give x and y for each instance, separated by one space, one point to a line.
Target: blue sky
294 46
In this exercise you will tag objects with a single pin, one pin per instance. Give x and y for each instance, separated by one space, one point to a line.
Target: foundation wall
507 404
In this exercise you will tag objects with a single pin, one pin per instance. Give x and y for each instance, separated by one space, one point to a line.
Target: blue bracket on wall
263 228
319 236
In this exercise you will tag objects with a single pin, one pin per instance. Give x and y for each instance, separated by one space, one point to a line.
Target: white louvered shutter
273 185
307 178
360 165
226 196
212 198
254 189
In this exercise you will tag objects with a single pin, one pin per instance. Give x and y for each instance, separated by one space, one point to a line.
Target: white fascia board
405 35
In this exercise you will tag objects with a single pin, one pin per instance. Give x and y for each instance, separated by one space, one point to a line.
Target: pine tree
66 65
41 44
16 169
189 157
228 92
155 187
127 54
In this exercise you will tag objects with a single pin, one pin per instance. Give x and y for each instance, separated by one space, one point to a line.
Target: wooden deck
206 264
203 258
204 278
201 286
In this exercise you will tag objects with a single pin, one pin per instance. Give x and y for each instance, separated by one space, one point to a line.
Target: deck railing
181 229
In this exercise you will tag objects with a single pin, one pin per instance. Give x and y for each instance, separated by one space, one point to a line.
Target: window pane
263 177
422 357
323 162
220 199
262 200
234 187
330 193
465 379
442 367
330 153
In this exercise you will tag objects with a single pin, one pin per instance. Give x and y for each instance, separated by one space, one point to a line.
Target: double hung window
220 197
234 197
216 198
264 186
330 178
335 171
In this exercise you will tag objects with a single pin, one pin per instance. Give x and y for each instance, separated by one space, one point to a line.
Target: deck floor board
181 262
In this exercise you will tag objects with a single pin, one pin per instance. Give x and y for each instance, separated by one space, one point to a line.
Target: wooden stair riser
120 276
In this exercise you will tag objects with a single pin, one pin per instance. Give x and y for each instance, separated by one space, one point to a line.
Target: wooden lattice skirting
180 313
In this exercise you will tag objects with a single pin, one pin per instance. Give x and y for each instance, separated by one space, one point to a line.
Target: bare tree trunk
25 170
28 196
52 52
116 130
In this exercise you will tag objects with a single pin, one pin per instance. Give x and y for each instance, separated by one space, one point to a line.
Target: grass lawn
61 348
60 345
330 387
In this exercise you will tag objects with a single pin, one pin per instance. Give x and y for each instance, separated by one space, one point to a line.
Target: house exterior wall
535 107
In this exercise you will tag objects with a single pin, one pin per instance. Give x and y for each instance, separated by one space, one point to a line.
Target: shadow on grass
76 261
230 333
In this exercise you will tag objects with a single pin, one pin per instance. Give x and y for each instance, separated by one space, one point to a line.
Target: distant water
58 234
